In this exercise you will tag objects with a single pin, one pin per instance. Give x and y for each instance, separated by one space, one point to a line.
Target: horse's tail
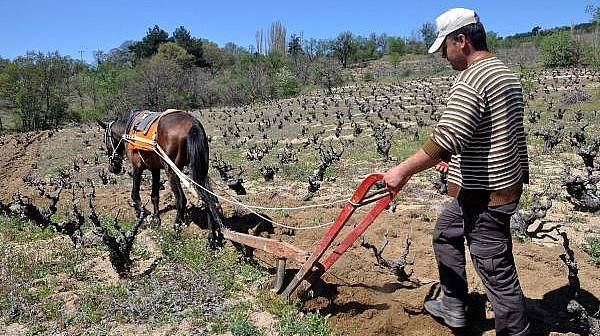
197 150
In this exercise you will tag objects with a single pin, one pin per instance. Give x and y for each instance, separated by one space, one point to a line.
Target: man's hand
396 177
442 167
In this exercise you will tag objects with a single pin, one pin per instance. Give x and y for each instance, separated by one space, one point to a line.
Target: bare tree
277 38
343 47
259 41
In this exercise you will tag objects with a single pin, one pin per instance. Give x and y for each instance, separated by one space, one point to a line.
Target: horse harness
142 129
115 157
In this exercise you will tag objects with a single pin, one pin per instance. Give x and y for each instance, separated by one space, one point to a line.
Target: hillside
48 286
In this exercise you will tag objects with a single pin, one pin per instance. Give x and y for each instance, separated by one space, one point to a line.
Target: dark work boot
452 318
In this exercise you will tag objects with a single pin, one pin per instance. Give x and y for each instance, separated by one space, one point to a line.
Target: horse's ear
101 123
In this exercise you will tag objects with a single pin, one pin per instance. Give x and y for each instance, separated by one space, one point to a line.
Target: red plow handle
313 267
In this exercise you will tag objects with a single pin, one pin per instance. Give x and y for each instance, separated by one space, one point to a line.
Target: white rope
237 202
186 181
302 207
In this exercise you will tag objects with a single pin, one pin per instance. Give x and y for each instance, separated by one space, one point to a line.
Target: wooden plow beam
314 265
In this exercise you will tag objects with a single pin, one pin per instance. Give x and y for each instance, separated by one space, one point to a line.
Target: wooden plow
315 264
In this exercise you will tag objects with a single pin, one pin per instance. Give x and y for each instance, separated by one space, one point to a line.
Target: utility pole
81 54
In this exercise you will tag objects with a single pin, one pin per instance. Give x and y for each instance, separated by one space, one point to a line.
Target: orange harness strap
145 142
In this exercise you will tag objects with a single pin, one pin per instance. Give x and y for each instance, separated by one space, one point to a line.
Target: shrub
558 50
593 249
286 84
591 56
239 325
292 324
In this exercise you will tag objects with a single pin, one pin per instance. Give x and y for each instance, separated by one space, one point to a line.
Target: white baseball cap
451 20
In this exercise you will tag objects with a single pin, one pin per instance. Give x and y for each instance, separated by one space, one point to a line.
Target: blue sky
70 26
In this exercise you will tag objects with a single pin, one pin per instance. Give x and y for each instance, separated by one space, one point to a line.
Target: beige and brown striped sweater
481 134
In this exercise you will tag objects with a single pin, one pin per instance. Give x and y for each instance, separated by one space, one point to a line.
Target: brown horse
184 140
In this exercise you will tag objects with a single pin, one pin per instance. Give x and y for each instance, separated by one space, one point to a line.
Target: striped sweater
481 134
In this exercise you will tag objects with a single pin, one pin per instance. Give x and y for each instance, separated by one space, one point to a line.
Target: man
481 135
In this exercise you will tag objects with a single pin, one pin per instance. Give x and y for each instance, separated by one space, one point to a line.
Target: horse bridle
108 140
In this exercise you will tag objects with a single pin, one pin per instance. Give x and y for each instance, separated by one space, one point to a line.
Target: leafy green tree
326 73
107 90
395 58
366 48
591 53
286 84
344 47
218 59
396 45
148 46
295 46
493 41
427 32
558 50
192 45
174 52
36 87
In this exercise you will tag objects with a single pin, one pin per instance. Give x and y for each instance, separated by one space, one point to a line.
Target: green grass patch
52 310
239 325
525 201
254 175
298 171
16 230
574 217
237 320
404 146
290 321
293 324
592 248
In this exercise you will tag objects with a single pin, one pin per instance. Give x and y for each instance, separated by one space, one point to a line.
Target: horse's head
115 147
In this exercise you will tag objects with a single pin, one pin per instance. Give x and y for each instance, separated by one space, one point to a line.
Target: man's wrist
406 168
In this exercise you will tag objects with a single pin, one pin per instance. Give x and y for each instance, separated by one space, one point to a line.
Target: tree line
165 70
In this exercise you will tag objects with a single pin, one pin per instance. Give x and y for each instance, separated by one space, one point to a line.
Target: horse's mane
126 116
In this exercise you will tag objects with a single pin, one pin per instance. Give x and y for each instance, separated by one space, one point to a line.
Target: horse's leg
135 190
155 196
180 199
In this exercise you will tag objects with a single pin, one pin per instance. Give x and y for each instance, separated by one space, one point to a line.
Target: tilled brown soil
360 297
364 299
